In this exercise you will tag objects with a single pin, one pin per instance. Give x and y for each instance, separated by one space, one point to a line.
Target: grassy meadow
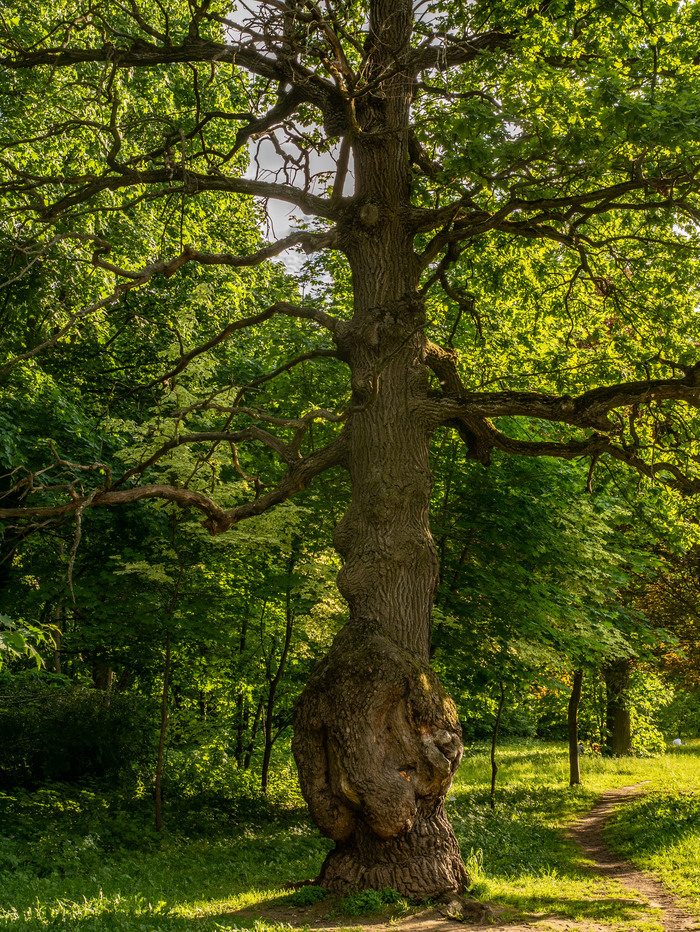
86 859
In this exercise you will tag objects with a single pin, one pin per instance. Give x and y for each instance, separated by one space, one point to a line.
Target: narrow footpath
587 832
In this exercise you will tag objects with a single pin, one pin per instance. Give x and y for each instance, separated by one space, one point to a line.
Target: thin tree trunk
57 637
254 734
122 681
275 680
161 739
494 741
572 722
242 716
102 675
202 695
242 705
166 687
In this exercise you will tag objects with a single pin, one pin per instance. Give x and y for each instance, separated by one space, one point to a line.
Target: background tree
470 132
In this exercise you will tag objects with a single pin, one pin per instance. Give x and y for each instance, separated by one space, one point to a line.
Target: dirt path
640 891
587 831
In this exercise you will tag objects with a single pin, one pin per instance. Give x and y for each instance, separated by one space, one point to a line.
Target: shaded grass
84 859
80 861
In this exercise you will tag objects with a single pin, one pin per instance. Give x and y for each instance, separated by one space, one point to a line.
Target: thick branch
144 55
309 242
593 447
462 219
183 497
297 477
140 54
440 52
470 412
190 183
587 410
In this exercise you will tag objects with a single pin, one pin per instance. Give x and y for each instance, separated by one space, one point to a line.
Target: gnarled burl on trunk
377 743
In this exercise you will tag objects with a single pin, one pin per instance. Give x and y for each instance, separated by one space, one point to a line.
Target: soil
641 891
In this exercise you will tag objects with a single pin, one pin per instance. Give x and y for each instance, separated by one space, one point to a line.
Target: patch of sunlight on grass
576 899
252 897
660 832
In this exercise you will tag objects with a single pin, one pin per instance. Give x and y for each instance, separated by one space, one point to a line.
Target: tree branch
587 410
218 520
281 307
455 50
308 241
594 447
190 183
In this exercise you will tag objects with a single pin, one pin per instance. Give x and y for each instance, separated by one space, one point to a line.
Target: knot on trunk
369 215
376 737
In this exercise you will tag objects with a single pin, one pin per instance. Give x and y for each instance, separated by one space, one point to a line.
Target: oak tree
513 190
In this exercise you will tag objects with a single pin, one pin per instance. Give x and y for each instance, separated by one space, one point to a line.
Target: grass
521 860
661 831
83 860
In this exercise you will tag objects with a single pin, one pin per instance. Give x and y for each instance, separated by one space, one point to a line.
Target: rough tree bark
377 741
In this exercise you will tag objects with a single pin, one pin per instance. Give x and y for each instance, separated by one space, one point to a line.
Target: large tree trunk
618 724
377 740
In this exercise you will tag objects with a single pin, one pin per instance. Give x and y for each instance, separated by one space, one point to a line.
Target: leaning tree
514 191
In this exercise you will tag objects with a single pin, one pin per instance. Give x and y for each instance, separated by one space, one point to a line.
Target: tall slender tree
523 177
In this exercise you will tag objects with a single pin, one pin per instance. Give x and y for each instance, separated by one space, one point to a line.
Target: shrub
307 896
54 731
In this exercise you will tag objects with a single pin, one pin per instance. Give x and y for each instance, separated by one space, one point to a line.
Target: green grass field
77 859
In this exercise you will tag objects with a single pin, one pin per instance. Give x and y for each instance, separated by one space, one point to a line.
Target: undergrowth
87 858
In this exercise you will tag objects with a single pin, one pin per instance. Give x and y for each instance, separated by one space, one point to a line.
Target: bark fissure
377 740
